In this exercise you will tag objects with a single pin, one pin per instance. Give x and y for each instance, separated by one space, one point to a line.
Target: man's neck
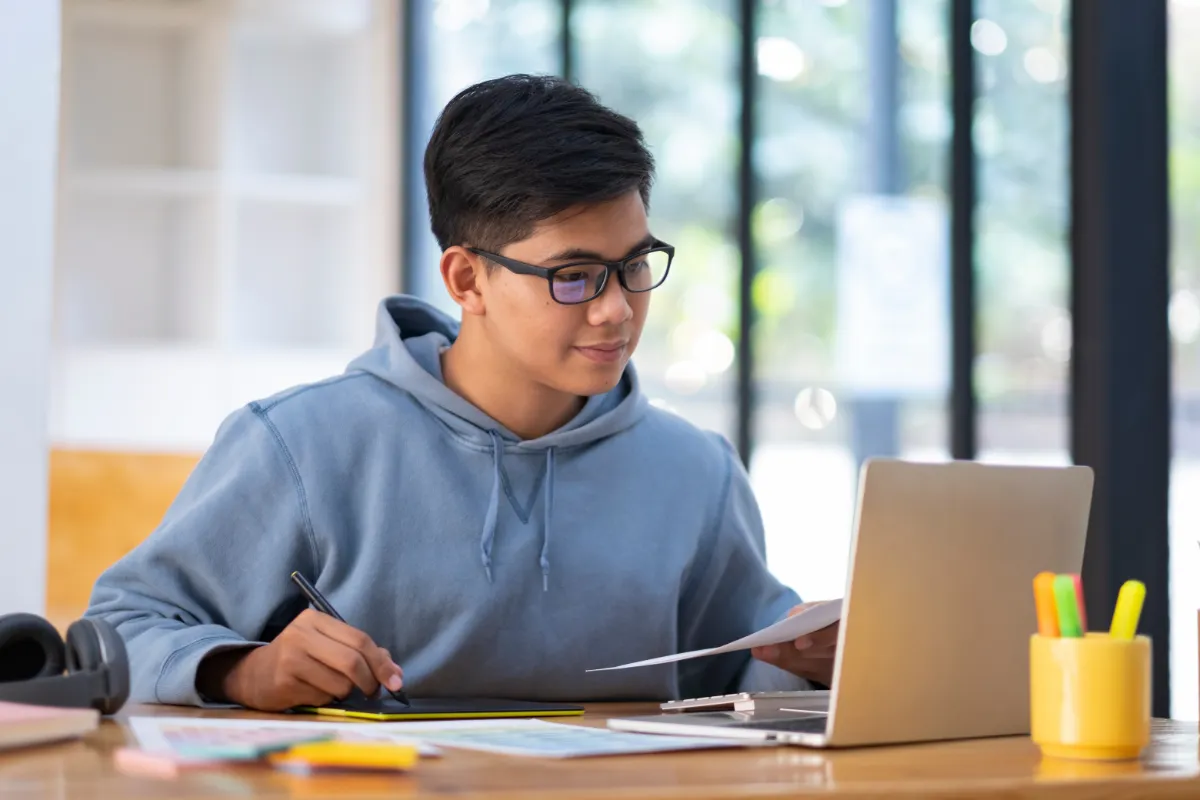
471 369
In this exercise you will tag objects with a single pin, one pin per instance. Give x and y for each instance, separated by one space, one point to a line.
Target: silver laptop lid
939 604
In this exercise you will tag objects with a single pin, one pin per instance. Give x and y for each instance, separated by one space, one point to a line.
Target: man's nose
611 306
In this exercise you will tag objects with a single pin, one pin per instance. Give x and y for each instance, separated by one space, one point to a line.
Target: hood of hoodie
410 335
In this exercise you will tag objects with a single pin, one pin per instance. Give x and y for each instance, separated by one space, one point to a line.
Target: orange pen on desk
1043 597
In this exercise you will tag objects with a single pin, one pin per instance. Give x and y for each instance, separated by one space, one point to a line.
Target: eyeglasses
581 281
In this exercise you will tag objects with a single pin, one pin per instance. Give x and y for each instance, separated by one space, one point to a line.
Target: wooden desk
1009 768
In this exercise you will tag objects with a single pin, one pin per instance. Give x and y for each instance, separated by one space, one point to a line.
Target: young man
495 505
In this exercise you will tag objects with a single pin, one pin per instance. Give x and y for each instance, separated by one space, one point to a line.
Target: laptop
937 613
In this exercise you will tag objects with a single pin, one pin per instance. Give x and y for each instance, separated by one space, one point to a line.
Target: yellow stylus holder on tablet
1090 696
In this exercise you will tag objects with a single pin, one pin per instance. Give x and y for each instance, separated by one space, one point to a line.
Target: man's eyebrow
580 254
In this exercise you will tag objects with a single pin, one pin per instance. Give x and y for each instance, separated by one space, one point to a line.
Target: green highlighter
1068 609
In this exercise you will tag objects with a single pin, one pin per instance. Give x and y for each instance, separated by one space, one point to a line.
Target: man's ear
464 274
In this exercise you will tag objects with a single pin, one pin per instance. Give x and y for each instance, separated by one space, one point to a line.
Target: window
1022 216
1184 319
851 295
635 55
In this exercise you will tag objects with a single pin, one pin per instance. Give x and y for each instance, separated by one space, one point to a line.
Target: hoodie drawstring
493 512
548 504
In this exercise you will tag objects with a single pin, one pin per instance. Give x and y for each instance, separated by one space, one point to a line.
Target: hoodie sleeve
215 574
729 594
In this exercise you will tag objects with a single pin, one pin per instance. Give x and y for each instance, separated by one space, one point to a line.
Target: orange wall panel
102 504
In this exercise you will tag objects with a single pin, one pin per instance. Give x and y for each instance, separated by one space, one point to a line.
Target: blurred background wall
238 183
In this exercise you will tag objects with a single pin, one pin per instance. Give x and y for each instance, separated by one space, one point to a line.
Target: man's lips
603 352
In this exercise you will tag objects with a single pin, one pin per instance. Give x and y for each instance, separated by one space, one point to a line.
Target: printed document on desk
813 618
535 737
174 736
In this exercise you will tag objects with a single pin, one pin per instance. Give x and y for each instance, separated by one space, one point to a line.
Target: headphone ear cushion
30 648
116 658
83 647
94 646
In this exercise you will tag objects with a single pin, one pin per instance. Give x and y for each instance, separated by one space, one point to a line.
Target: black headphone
33 658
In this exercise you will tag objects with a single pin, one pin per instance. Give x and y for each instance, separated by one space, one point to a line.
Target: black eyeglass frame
522 268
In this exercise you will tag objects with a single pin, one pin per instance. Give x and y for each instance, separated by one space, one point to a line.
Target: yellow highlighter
347 755
1128 610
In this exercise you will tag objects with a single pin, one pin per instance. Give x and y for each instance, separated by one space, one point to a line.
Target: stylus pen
322 605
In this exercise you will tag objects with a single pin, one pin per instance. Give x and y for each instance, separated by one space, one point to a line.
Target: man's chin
593 381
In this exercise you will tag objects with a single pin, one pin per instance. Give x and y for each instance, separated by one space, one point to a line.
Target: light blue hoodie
488 566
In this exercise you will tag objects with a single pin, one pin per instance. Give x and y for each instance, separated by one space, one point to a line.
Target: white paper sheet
535 737
160 734
810 619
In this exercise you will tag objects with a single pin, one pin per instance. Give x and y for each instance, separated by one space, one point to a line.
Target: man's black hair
510 152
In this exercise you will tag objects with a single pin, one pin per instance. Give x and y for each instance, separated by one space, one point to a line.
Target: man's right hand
313 661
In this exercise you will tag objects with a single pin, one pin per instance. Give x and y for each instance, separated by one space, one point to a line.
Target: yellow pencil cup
1090 696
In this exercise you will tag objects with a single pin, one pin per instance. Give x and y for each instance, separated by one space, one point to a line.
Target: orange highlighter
1043 596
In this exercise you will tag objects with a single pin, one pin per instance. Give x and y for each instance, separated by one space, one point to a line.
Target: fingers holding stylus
355 655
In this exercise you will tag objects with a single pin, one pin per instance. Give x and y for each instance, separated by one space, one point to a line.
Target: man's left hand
810 656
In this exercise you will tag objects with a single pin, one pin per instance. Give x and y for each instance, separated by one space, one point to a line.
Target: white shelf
292 107
141 15
138 99
135 268
315 190
280 292
144 181
309 18
268 18
228 177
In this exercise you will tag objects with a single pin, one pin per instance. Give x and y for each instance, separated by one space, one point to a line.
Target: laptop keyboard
797 725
